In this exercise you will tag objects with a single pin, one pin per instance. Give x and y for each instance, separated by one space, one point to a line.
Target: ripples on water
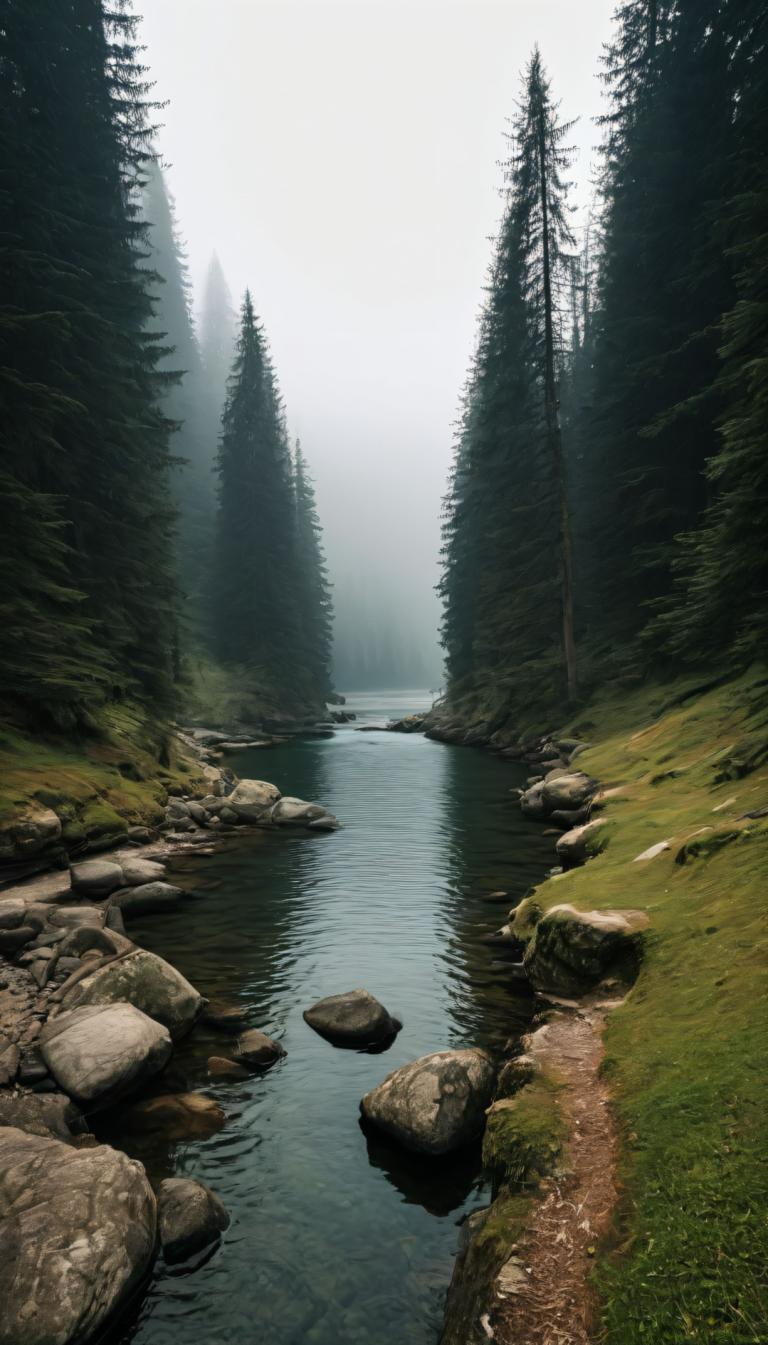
338 1238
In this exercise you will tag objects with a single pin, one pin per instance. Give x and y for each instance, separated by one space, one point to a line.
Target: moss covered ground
99 783
686 1053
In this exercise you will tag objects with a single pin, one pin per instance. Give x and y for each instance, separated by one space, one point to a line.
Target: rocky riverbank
645 963
90 1020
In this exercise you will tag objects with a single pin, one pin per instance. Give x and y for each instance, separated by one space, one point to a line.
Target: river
338 1238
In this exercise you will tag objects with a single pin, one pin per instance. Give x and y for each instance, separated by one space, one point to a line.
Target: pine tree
665 280
80 384
217 331
188 401
720 601
315 605
256 601
508 628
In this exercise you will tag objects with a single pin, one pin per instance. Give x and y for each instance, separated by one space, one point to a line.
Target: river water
339 1238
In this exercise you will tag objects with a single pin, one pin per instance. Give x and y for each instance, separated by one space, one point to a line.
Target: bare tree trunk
554 434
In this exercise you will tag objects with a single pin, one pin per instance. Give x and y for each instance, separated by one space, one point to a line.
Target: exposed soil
543 1293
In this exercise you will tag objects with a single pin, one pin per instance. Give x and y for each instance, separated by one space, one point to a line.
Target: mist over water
341 157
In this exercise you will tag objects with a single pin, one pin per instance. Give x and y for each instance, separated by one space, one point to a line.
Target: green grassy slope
686 1054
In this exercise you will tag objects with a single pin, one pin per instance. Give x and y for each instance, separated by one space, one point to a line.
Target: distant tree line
135 521
608 507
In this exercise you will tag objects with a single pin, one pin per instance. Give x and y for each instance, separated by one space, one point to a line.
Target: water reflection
337 1237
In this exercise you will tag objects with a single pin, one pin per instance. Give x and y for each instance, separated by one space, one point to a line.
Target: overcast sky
342 158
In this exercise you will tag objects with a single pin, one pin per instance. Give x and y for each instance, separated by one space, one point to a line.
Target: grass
686 1052
98 784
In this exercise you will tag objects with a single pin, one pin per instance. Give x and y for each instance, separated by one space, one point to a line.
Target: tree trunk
554 435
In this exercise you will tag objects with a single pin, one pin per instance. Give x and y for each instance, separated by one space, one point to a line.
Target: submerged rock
256 1049
572 950
177 1116
352 1019
146 898
77 1235
190 1217
148 982
436 1104
98 1053
221 1067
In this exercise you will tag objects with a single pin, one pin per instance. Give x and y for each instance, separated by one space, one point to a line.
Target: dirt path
542 1294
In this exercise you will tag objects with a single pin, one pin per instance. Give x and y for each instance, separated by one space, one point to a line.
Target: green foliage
85 440
272 602
503 532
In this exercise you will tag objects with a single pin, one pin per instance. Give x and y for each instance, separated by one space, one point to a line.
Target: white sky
341 156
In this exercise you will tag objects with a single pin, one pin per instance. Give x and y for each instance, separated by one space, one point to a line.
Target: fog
342 159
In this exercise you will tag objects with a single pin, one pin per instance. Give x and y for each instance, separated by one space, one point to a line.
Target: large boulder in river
572 950
353 1019
96 877
77 1236
190 1215
148 982
138 871
147 898
98 1053
250 799
296 812
436 1104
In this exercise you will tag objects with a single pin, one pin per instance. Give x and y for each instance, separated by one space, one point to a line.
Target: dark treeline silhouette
119 551
609 500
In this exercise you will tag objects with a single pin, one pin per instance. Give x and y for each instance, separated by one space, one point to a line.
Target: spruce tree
80 384
508 628
187 400
256 600
315 605
217 332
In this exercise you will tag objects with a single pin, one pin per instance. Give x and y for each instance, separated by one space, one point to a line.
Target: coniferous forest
606 512
237 528
151 514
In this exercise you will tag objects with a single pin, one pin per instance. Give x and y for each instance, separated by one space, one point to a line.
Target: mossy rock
524 1135
709 842
487 1240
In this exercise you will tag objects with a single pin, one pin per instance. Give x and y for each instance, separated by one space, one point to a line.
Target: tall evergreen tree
80 387
664 282
188 401
256 604
218 328
315 605
507 586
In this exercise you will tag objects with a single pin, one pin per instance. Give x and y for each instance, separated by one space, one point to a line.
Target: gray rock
325 823
257 1050
54 1115
12 912
221 1067
296 812
147 981
98 1053
572 950
69 917
146 898
251 798
96 877
198 814
352 1019
190 1217
436 1104
575 846
12 940
176 808
136 872
10 1059
532 801
568 791
77 1235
